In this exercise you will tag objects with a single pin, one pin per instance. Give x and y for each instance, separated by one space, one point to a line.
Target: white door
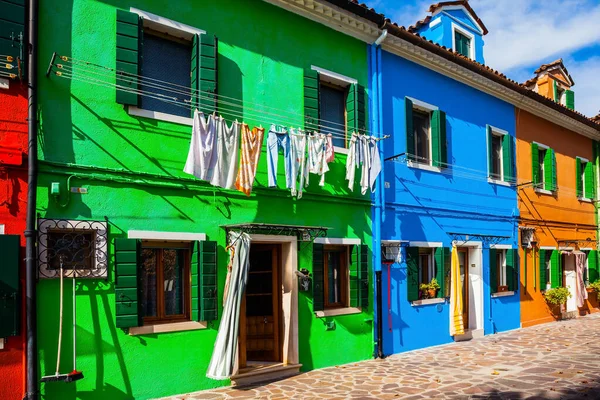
571 282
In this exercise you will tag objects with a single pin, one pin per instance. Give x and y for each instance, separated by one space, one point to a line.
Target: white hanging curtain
223 360
582 295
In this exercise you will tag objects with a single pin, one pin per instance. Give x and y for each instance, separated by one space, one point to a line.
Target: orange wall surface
556 217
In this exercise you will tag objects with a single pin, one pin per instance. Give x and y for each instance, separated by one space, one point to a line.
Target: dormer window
560 95
463 42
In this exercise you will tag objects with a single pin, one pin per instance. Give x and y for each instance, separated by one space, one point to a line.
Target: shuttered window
593 269
146 58
462 44
13 39
556 269
423 265
10 302
570 99
543 167
543 268
426 140
501 161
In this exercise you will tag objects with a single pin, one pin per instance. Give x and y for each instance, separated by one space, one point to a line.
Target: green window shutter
511 269
507 158
535 164
204 76
489 135
363 277
13 40
127 252
555 275
542 269
10 302
353 271
493 271
311 100
129 32
207 280
318 277
590 187
447 270
355 109
410 131
438 139
555 90
550 170
439 258
570 99
412 274
579 188
594 272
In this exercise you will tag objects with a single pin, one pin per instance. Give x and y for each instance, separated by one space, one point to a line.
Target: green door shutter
410 131
593 270
535 164
363 277
507 158
438 139
512 266
311 100
412 274
127 253
570 99
439 258
318 277
590 187
549 171
13 37
493 271
579 186
207 280
555 275
10 303
129 32
542 269
204 73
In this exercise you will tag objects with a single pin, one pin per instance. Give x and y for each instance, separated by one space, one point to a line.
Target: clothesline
124 77
187 105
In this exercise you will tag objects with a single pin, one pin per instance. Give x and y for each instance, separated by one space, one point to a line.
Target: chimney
554 82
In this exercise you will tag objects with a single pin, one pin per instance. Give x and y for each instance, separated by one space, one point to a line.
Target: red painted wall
13 202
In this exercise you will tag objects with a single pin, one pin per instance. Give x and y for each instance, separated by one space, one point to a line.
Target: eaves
364 24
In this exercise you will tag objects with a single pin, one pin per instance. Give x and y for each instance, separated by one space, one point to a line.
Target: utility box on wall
9 285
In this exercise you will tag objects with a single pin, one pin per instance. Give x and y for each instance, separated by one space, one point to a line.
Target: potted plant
429 290
594 287
557 296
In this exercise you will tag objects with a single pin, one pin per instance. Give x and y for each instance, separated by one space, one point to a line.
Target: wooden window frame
161 317
344 279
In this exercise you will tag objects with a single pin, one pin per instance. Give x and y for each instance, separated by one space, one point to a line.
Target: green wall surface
132 168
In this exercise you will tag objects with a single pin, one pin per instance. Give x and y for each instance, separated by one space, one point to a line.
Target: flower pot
431 293
590 290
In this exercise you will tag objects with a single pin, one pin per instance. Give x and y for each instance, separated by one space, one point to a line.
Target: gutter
30 230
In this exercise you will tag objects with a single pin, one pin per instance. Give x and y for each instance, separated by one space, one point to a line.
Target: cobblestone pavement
559 360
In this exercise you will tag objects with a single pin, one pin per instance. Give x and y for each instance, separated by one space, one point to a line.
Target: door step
264 372
468 335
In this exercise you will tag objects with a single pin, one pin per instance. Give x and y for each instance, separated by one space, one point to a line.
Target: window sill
340 150
544 191
498 182
164 328
584 200
139 112
424 167
425 302
338 311
503 294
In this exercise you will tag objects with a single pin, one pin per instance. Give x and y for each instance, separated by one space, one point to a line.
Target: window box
426 302
503 294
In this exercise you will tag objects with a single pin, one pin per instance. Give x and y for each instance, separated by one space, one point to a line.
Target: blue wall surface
425 205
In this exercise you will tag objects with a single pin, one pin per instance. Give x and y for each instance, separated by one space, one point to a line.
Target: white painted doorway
571 281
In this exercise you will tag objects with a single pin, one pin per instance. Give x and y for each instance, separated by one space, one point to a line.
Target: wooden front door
261 307
463 262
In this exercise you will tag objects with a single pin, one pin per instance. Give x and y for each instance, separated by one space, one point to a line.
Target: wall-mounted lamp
391 254
304 279
527 237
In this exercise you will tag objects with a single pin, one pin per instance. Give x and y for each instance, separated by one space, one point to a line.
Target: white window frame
502 275
548 267
501 133
429 251
583 161
173 28
543 177
428 108
462 31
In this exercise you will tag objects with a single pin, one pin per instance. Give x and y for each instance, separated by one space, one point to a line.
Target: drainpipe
376 124
30 231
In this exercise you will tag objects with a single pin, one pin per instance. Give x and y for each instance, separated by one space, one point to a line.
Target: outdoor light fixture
527 239
390 253
303 279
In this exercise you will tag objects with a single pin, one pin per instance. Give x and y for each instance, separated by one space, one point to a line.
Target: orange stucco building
557 175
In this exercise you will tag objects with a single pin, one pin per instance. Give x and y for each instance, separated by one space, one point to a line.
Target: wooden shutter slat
555 276
412 274
351 111
207 281
128 37
311 100
353 272
507 158
410 132
493 271
204 73
535 164
549 173
127 253
363 277
318 277
511 268
542 269
590 191
438 138
570 99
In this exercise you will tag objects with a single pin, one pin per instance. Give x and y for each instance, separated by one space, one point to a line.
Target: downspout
376 124
30 231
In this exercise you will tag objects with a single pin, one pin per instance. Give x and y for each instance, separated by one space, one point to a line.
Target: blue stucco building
449 178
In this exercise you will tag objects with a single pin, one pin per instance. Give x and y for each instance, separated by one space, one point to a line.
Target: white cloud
587 85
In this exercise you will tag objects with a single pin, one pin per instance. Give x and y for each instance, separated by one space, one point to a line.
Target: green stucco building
148 240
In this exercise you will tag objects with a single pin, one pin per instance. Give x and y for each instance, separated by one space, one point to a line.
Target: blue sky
523 34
